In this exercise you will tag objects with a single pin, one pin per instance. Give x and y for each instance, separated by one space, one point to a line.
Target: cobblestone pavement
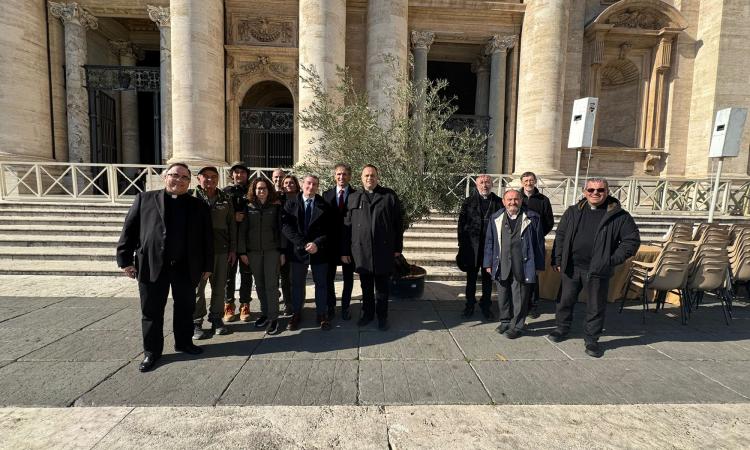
75 341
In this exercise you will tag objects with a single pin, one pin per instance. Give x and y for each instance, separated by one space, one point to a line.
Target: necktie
308 213
341 199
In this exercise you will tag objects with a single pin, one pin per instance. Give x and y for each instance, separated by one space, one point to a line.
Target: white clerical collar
512 216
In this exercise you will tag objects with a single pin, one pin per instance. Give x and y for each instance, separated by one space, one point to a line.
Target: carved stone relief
286 71
277 32
637 19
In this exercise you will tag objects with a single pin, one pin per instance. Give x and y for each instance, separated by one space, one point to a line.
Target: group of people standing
504 241
274 232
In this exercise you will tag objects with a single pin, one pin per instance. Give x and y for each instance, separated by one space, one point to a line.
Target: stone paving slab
98 302
544 382
679 348
661 381
59 318
27 303
9 313
59 428
310 344
91 345
632 347
294 382
349 427
420 345
492 345
128 319
178 380
239 344
15 343
734 375
419 382
415 319
51 383
569 427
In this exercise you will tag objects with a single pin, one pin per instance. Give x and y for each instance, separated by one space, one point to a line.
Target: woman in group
291 187
261 246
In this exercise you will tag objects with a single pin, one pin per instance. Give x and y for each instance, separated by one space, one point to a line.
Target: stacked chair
709 272
680 231
668 273
739 259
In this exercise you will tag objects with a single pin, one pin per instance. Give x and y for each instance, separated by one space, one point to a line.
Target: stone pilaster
197 43
387 50
160 15
541 86
497 51
76 21
322 38
25 128
128 106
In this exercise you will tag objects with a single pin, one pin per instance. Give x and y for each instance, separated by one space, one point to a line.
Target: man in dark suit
337 197
373 237
167 241
472 225
540 204
307 221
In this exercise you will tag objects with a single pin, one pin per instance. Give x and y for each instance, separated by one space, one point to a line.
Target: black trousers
153 301
346 294
513 298
597 290
375 291
246 282
471 287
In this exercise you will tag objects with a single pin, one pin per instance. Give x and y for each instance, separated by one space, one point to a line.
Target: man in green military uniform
225 248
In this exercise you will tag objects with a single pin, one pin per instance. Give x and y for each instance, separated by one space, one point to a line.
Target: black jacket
238 193
144 236
373 232
337 232
616 239
261 229
321 223
540 204
471 230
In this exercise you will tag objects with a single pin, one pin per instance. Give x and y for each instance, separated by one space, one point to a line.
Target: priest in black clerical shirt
167 241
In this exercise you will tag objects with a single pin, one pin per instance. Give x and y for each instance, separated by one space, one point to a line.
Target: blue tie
308 213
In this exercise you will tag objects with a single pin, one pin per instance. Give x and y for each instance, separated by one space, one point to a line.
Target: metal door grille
267 137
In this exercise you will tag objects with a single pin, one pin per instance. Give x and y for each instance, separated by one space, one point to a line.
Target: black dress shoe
487 313
557 336
331 312
190 349
346 315
148 363
594 350
534 313
468 311
512 333
503 328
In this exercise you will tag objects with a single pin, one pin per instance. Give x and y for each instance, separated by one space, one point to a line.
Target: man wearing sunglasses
167 242
593 237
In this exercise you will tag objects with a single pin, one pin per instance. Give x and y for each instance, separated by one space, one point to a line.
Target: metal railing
121 182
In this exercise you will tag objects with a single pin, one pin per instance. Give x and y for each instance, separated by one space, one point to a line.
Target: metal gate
104 132
267 137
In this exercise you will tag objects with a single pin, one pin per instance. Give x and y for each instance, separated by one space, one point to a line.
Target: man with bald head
513 253
472 225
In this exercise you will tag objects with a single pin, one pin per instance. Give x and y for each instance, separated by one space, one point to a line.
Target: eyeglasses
177 176
599 190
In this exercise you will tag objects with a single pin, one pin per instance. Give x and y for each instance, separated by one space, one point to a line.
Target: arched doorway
267 126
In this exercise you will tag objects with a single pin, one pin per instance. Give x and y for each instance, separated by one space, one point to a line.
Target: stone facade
660 68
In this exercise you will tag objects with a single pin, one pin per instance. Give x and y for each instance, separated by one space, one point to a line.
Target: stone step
43 254
51 240
60 230
72 212
79 268
38 219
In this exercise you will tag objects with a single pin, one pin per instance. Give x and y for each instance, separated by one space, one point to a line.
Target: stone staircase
80 239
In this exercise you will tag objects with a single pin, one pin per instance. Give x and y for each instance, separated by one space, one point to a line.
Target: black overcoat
373 231
143 239
471 231
337 233
321 223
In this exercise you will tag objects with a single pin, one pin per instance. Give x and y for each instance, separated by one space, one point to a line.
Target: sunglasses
599 190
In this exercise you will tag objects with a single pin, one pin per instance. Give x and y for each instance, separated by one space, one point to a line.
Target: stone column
128 106
322 38
497 50
160 15
25 128
197 43
420 45
76 21
481 100
387 50
541 86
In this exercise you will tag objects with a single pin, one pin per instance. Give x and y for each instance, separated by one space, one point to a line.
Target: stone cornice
422 39
500 43
73 13
159 14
